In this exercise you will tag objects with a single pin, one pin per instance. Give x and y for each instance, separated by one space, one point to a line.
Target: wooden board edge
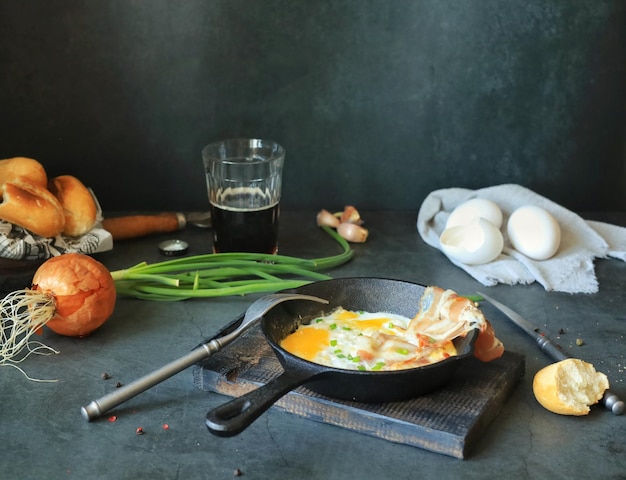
339 415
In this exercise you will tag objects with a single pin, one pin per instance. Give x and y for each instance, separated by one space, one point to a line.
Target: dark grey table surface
44 435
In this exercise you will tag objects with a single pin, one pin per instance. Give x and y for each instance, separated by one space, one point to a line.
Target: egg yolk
372 323
361 323
306 342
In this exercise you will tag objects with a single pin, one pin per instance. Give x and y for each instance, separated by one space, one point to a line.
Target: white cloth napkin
570 270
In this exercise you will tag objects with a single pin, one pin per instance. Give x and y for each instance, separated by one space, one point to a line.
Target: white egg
474 244
471 209
533 232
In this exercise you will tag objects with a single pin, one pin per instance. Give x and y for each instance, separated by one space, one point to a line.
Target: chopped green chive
333 343
402 351
361 367
333 326
378 366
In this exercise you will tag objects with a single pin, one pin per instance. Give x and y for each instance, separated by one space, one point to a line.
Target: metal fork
254 312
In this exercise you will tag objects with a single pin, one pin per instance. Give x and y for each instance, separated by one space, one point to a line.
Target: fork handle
98 407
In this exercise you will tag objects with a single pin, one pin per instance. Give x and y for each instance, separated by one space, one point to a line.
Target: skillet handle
234 417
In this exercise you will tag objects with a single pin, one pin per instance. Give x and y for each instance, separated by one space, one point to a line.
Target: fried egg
362 341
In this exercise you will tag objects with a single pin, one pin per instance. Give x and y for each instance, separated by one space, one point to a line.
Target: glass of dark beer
244 179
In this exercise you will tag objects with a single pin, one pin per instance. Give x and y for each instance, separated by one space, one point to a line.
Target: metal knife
610 400
135 226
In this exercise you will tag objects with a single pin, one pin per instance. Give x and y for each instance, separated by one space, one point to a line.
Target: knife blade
552 349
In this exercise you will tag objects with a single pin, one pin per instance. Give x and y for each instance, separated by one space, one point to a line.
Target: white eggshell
471 209
473 244
533 232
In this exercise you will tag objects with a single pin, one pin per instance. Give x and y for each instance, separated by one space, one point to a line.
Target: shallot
325 218
352 232
347 223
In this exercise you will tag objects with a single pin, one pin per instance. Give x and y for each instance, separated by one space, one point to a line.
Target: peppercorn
237 472
139 431
579 341
118 385
105 376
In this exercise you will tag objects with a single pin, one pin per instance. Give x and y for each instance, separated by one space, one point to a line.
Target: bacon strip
444 315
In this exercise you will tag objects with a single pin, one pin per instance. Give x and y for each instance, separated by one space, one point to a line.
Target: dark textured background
377 102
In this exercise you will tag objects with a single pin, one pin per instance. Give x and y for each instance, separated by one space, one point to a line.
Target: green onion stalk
225 274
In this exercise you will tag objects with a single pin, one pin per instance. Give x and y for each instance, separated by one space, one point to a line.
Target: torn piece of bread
569 387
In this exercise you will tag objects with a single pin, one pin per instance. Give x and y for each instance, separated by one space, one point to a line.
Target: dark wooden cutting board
449 421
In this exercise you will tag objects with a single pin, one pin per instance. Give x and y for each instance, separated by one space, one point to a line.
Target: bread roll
79 207
28 168
32 207
569 387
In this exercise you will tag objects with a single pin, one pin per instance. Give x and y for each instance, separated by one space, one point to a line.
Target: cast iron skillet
369 294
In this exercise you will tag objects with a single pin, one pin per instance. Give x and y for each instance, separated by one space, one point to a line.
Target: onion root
24 313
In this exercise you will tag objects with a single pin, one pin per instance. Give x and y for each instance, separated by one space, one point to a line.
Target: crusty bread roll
32 207
28 168
79 206
569 387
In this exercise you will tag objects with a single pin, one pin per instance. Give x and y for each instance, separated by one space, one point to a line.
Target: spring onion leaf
225 274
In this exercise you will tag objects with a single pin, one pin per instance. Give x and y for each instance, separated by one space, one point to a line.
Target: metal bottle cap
172 248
